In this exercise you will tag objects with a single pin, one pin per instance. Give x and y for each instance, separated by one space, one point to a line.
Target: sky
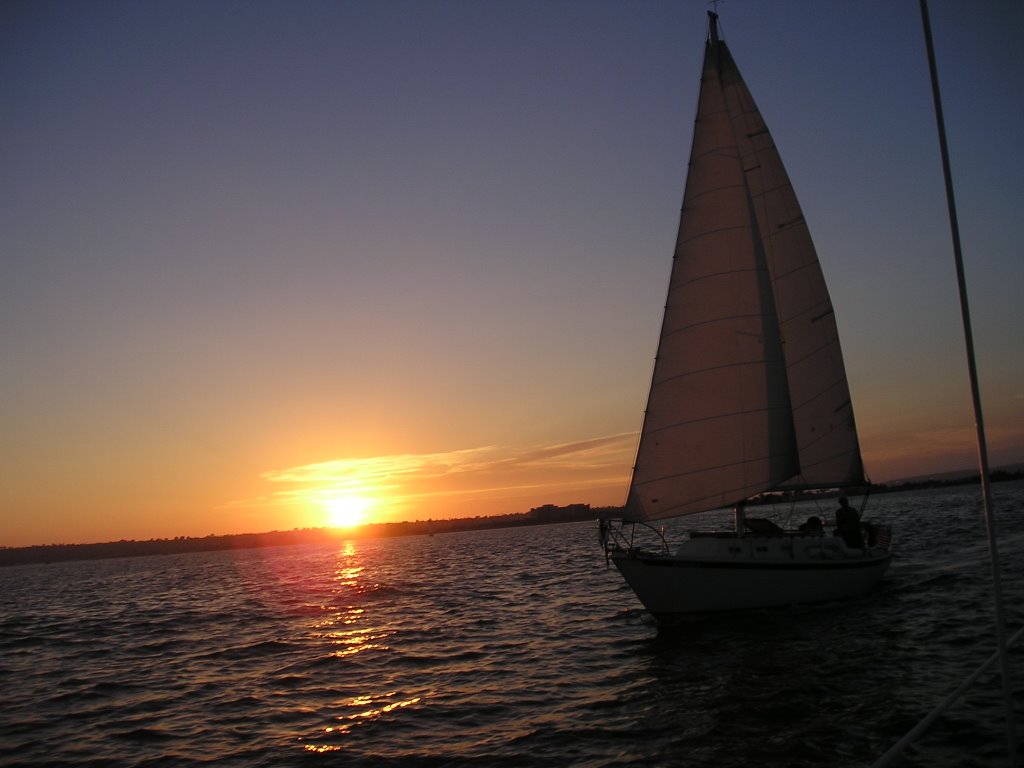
265 264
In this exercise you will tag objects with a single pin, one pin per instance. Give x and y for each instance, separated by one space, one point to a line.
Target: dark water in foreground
509 647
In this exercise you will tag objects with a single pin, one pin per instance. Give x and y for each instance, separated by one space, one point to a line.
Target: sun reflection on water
376 708
347 627
350 567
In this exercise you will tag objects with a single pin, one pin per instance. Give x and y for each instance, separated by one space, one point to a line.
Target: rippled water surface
508 647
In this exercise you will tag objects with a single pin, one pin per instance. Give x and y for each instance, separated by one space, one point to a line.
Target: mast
718 426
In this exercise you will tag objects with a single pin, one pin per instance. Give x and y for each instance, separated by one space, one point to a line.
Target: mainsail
749 391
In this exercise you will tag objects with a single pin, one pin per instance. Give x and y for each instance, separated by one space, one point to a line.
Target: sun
346 511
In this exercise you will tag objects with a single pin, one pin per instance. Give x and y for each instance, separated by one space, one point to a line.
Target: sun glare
346 511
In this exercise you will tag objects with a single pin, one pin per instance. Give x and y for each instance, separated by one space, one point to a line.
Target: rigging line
945 704
975 392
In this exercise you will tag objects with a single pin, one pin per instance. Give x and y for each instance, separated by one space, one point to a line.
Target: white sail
749 391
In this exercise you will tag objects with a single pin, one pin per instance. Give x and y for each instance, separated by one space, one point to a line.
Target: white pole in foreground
986 491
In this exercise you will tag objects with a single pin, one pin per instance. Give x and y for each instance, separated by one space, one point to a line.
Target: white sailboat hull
729 574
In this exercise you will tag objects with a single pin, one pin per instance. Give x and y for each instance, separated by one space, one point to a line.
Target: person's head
843 502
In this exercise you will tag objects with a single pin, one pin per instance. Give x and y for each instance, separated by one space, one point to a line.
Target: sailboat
749 393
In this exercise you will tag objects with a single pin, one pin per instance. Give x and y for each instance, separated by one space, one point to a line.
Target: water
509 647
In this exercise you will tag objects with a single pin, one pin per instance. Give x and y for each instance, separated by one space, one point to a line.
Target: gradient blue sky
262 257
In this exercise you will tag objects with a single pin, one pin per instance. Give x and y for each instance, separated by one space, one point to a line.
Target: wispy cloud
414 482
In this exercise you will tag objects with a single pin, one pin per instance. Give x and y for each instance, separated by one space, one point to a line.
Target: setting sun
346 511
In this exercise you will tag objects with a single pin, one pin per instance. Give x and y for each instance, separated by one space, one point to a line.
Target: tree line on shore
53 553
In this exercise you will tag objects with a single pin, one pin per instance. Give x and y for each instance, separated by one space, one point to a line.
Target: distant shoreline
56 553
545 515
